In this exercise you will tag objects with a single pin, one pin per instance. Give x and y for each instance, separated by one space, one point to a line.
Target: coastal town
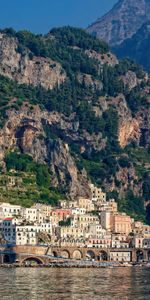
93 223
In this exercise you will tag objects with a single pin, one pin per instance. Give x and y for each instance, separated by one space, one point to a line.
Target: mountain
122 22
71 114
137 47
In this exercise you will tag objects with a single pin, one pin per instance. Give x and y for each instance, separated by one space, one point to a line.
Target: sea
128 283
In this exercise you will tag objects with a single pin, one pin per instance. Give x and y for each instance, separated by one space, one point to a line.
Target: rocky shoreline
71 265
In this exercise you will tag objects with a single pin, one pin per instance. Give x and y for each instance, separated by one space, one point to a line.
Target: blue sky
41 15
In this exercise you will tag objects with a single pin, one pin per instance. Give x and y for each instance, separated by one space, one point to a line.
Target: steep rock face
120 23
35 71
130 80
65 170
129 131
127 178
145 129
89 82
106 58
24 131
129 128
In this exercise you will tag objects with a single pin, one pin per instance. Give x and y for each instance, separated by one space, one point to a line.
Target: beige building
137 241
44 210
107 220
146 230
96 231
103 242
72 232
112 205
122 223
97 194
84 221
116 222
85 203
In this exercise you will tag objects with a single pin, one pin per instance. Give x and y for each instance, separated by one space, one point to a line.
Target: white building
120 256
119 241
25 235
28 235
16 233
96 231
78 211
9 230
8 210
29 214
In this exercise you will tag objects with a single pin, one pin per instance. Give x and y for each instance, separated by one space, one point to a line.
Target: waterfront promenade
46 254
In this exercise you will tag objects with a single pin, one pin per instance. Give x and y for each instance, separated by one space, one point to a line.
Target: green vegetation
135 100
35 184
80 38
133 206
66 222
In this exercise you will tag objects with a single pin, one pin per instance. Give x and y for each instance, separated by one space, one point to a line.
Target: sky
40 16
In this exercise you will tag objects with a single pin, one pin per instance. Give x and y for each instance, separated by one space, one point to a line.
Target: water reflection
75 284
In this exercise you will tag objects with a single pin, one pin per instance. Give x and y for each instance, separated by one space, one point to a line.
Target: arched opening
55 254
7 259
102 256
77 254
32 261
148 255
65 254
139 255
90 255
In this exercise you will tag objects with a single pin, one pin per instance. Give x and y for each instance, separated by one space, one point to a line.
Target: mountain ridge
137 47
122 21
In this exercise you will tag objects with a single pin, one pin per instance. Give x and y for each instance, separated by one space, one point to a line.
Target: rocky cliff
93 127
122 22
26 68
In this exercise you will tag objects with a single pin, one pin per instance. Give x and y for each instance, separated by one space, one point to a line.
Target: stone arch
32 260
90 254
103 256
139 255
65 254
77 254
